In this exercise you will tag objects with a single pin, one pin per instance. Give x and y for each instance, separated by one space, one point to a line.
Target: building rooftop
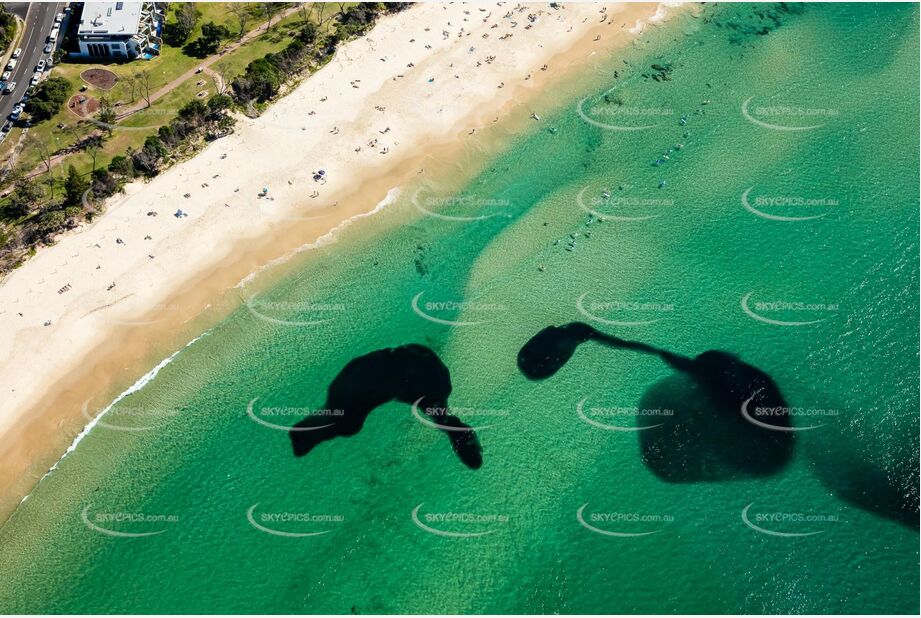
112 18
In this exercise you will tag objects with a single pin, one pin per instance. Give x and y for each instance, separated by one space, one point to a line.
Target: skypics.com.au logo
458 525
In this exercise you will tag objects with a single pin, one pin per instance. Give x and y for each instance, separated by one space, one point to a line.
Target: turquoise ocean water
786 232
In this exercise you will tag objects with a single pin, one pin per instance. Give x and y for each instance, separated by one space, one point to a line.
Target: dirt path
205 63
164 90
218 79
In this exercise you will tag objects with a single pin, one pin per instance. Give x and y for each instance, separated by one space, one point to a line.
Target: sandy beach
82 320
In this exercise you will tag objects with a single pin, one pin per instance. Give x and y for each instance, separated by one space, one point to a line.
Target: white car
14 115
40 66
17 52
58 18
6 76
35 79
53 36
11 65
10 87
49 47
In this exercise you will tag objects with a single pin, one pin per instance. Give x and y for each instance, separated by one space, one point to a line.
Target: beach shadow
716 429
407 374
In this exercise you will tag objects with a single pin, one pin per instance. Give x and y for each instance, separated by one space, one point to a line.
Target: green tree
74 186
219 103
146 161
73 214
25 197
106 115
178 32
260 81
121 166
154 146
49 98
209 41
7 27
211 37
308 33
359 18
240 10
52 221
104 184
194 111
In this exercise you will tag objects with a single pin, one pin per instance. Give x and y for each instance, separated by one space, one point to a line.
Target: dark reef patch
887 488
547 351
708 437
407 374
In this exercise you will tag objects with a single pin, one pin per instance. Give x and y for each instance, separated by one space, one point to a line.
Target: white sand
286 144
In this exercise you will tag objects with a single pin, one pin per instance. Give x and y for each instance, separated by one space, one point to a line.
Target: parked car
40 66
10 87
35 79
49 47
6 76
11 65
48 64
17 111
58 18
6 127
53 36
17 52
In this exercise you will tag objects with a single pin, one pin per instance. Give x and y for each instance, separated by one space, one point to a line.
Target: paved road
39 21
17 8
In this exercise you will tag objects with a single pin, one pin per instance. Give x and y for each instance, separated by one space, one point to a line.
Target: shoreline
96 364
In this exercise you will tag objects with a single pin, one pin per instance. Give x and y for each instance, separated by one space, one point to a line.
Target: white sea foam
660 15
143 381
325 239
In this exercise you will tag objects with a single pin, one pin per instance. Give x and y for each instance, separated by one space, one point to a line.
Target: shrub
121 165
261 80
24 198
104 184
195 111
219 103
7 28
52 221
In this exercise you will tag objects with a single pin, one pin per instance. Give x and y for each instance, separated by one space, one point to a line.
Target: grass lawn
171 64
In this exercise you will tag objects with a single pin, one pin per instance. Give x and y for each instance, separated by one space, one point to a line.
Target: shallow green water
687 259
